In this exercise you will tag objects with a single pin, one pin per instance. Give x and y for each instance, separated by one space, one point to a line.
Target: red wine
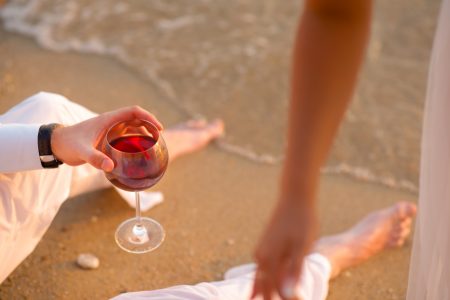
138 166
133 143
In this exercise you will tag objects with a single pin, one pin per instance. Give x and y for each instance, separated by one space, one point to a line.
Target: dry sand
215 206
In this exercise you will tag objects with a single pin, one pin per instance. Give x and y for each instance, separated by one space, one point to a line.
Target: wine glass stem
138 209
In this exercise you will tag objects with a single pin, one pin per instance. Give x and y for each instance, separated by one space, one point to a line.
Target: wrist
56 142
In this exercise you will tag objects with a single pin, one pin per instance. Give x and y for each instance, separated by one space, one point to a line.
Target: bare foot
386 228
191 136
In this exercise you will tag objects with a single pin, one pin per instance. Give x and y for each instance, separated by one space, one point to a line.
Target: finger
264 284
268 269
290 277
268 289
288 286
262 287
257 288
141 113
132 112
266 278
99 160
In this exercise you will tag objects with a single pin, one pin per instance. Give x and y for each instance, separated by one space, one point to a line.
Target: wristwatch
48 160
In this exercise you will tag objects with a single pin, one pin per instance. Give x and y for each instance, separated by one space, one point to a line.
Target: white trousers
30 200
238 283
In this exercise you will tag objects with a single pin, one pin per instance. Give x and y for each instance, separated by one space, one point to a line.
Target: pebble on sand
88 261
230 242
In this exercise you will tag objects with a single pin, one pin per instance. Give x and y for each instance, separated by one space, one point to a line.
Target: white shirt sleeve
19 148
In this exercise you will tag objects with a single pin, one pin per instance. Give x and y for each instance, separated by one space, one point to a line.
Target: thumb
100 161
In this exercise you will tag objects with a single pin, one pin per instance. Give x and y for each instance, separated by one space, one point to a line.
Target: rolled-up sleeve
19 148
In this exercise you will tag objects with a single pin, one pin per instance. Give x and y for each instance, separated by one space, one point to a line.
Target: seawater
230 59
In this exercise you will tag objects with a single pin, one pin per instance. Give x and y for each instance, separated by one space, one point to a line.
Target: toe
397 243
402 225
406 223
405 209
216 128
402 229
196 123
399 237
405 231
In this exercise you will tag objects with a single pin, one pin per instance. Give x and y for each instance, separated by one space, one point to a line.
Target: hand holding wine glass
79 143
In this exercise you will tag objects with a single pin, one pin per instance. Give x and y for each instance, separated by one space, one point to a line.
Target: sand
216 202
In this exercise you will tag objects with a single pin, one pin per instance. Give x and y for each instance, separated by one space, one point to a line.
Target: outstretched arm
73 145
328 52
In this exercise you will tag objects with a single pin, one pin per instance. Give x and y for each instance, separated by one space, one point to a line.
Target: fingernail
288 289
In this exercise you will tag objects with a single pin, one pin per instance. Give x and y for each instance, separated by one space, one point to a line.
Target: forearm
327 56
19 150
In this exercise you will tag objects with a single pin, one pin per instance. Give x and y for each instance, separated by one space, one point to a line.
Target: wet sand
215 202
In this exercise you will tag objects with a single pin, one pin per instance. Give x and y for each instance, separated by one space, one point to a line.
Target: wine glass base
139 239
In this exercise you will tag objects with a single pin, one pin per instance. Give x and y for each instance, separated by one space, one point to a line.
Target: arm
328 52
18 148
73 145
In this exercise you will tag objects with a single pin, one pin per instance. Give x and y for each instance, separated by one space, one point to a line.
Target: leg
181 139
380 230
46 107
30 200
191 136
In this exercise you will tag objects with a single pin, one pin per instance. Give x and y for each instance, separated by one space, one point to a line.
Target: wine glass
140 159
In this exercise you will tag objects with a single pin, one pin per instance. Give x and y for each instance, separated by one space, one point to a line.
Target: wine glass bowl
139 154
140 159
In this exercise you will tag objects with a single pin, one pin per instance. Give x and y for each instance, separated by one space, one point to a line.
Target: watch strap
48 160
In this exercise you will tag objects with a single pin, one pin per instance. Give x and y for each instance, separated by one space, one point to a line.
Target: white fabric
429 276
30 199
18 141
238 284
